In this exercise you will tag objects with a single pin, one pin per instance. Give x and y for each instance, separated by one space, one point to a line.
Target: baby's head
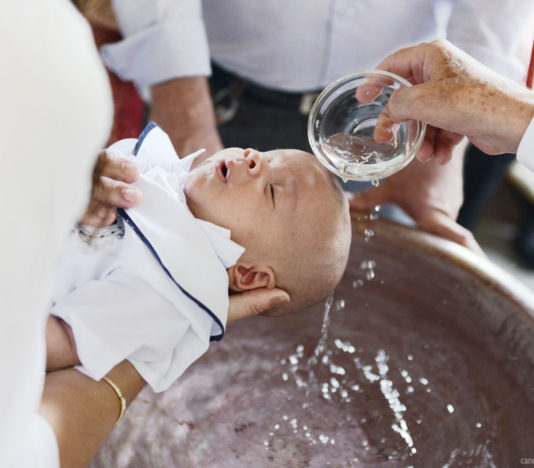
288 212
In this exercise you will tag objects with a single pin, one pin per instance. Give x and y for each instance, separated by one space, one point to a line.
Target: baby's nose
253 161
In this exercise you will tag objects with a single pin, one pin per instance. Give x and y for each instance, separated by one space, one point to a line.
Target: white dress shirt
56 114
304 45
525 152
152 288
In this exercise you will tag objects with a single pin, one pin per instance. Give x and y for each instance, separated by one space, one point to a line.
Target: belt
228 89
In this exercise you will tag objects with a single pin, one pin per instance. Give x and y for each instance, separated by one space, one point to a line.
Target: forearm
60 347
82 412
183 108
516 112
491 110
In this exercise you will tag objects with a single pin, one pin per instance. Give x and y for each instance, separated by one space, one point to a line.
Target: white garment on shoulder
525 152
154 291
304 45
56 114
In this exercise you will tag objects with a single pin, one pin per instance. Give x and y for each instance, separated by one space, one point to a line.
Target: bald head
313 254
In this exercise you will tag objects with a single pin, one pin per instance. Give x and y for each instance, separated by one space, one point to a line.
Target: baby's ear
244 277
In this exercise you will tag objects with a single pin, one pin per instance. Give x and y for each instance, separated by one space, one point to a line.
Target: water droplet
368 234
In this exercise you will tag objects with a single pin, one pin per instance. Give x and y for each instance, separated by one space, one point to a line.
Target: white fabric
56 113
525 152
302 45
118 298
41 449
155 31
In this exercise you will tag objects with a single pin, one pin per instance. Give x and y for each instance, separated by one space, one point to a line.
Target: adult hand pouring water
456 96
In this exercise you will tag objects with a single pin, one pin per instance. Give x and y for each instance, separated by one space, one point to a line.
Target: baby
153 287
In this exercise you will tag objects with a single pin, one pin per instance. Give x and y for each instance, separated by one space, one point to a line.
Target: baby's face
258 196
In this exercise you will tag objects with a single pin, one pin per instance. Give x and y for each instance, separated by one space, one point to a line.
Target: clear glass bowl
340 129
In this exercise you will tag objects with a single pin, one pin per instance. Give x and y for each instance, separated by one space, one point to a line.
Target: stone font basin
424 357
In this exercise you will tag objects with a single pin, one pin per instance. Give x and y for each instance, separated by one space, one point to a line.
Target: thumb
368 199
254 302
396 110
412 103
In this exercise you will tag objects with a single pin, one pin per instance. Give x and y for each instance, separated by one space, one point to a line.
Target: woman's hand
112 177
255 302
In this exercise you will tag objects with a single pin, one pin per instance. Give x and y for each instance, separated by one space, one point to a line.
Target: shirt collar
154 149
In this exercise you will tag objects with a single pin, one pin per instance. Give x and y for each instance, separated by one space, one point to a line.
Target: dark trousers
483 174
264 119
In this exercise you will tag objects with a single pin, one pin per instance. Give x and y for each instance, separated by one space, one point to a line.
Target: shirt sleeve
163 39
490 31
525 152
122 317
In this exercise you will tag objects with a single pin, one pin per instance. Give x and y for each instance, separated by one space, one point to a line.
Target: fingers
372 88
444 144
115 166
254 302
98 215
440 144
426 152
385 127
444 226
113 193
403 104
111 178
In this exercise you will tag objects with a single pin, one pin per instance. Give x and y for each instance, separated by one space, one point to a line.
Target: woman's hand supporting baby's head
255 302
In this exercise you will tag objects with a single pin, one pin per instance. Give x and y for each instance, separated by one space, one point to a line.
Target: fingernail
130 194
278 301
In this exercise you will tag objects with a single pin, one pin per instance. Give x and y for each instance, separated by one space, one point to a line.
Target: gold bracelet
122 400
